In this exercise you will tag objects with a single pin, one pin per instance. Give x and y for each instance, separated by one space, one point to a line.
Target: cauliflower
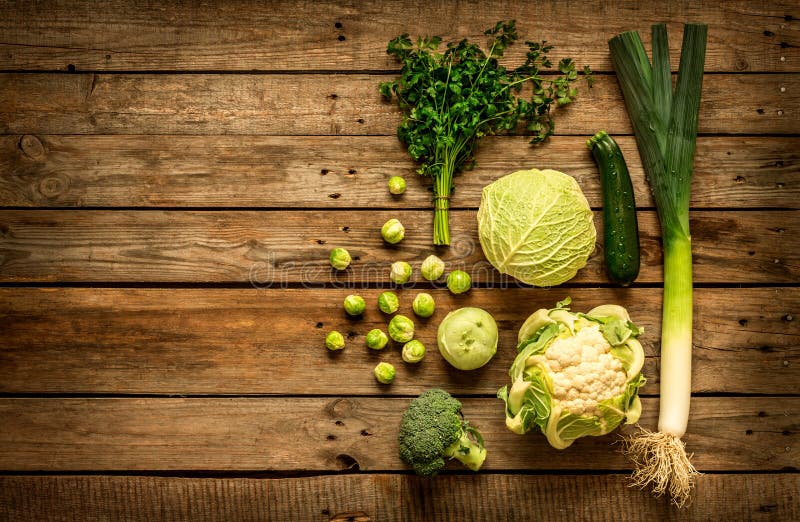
575 374
583 370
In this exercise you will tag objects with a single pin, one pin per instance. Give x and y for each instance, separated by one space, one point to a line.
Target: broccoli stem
469 452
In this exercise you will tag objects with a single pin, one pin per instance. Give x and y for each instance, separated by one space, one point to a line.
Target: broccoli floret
432 428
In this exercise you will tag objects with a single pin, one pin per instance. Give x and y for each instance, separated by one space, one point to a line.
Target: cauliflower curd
583 371
575 374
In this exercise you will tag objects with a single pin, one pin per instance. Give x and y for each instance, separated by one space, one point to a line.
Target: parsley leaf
450 98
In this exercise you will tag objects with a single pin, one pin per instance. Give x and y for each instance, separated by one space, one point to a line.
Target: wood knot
340 407
53 186
31 147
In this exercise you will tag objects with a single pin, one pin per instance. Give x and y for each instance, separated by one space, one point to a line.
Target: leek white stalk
665 125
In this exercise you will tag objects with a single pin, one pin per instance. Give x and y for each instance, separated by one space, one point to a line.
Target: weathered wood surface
351 171
328 434
240 342
275 247
345 104
743 35
375 497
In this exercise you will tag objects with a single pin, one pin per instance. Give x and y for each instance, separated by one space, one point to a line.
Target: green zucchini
620 227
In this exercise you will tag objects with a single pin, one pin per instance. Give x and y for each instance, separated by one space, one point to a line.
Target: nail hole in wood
748 432
743 322
331 437
320 324
341 38
71 67
335 195
769 33
760 111
338 25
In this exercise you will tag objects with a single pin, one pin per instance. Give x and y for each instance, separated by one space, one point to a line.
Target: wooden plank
292 171
332 35
324 434
275 247
390 498
290 104
222 341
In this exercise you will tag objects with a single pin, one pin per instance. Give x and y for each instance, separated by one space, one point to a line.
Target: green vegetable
575 375
423 305
376 339
536 225
400 272
467 338
388 302
458 281
334 341
620 226
354 305
384 373
401 328
665 124
413 351
432 268
450 99
432 429
393 231
339 258
397 185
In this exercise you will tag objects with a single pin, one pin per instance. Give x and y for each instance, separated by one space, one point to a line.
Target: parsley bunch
450 99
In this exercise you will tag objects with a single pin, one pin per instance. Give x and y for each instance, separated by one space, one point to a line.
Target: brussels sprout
401 328
354 305
400 272
467 338
384 372
334 341
423 305
397 185
376 339
413 351
458 281
388 302
393 231
432 268
339 258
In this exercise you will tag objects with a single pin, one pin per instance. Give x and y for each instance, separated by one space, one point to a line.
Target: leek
665 124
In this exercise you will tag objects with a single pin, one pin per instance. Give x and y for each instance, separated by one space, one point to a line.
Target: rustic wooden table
172 177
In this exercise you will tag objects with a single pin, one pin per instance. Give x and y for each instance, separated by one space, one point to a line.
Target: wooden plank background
173 175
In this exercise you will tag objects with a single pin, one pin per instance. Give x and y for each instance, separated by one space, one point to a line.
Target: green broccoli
433 428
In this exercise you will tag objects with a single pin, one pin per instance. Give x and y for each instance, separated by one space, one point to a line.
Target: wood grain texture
292 104
376 497
277 247
743 36
348 433
240 342
330 172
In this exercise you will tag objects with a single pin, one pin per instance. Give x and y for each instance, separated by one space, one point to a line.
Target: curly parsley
450 99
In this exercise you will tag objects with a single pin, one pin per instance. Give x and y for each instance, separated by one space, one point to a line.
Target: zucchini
620 227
